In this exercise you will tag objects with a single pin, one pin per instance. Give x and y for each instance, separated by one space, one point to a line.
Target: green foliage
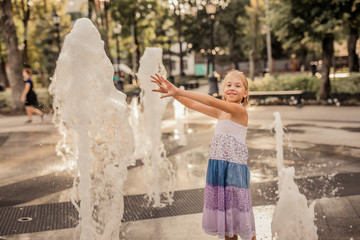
141 14
306 83
41 35
285 82
43 47
5 102
197 31
350 84
300 24
233 20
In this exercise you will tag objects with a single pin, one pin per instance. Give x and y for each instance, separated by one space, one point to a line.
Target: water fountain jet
292 218
156 163
91 115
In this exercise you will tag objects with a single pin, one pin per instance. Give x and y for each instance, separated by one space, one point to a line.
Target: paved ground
321 142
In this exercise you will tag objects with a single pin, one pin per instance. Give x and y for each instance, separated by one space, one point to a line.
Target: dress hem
222 235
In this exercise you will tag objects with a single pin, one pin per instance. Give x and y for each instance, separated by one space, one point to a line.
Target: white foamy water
92 117
292 218
180 113
279 141
136 122
159 173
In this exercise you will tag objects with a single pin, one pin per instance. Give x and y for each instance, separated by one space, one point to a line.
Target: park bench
296 94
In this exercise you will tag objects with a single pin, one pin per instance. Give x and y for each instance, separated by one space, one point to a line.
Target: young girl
227 201
29 96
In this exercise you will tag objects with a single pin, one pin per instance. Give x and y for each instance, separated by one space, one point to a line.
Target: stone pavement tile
189 227
344 227
178 227
63 234
320 222
355 202
335 207
337 219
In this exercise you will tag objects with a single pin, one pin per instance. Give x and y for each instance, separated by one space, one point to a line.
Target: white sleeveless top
228 143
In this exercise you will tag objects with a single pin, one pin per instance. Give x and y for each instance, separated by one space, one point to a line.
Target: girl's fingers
164 96
160 77
155 80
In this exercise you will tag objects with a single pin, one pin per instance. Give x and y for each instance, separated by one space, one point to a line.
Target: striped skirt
227 200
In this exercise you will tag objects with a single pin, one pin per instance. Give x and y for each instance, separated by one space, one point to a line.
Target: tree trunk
25 20
136 41
236 65
106 27
137 46
4 81
253 60
353 57
11 41
181 54
208 65
234 55
90 8
327 55
251 64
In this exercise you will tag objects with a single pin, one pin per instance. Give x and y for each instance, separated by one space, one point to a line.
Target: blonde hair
241 76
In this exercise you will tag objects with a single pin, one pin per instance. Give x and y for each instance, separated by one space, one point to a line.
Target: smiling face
235 87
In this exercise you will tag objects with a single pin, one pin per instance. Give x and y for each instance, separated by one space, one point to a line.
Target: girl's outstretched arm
166 87
197 106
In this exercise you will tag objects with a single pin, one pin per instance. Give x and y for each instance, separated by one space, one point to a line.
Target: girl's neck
234 102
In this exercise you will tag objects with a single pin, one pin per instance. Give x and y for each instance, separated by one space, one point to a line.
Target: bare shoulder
240 116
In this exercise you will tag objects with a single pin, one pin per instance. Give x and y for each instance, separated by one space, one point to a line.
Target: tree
254 12
298 24
196 31
13 58
352 22
42 45
4 81
178 10
22 9
232 19
139 14
99 13
43 48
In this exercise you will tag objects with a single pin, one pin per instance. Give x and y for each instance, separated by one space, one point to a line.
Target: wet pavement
321 142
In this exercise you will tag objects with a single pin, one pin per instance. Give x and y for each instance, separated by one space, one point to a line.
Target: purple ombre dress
227 199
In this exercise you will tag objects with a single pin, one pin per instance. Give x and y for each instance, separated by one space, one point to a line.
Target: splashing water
279 141
136 121
292 218
156 163
92 118
179 132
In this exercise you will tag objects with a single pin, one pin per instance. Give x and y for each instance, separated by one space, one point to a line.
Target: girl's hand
164 86
159 81
22 99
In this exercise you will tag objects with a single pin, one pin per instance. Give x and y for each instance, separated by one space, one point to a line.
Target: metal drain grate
185 202
16 220
45 217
